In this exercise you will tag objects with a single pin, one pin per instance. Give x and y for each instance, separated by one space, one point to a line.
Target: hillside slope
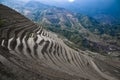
29 52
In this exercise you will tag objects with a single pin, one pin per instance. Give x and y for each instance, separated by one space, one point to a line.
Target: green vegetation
73 46
73 36
98 28
2 22
67 22
32 35
78 41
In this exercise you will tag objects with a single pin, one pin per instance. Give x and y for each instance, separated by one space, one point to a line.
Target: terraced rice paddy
29 52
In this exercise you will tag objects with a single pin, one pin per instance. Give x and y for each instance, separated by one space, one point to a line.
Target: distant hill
106 11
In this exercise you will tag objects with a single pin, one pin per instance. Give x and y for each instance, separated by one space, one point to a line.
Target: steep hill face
29 52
